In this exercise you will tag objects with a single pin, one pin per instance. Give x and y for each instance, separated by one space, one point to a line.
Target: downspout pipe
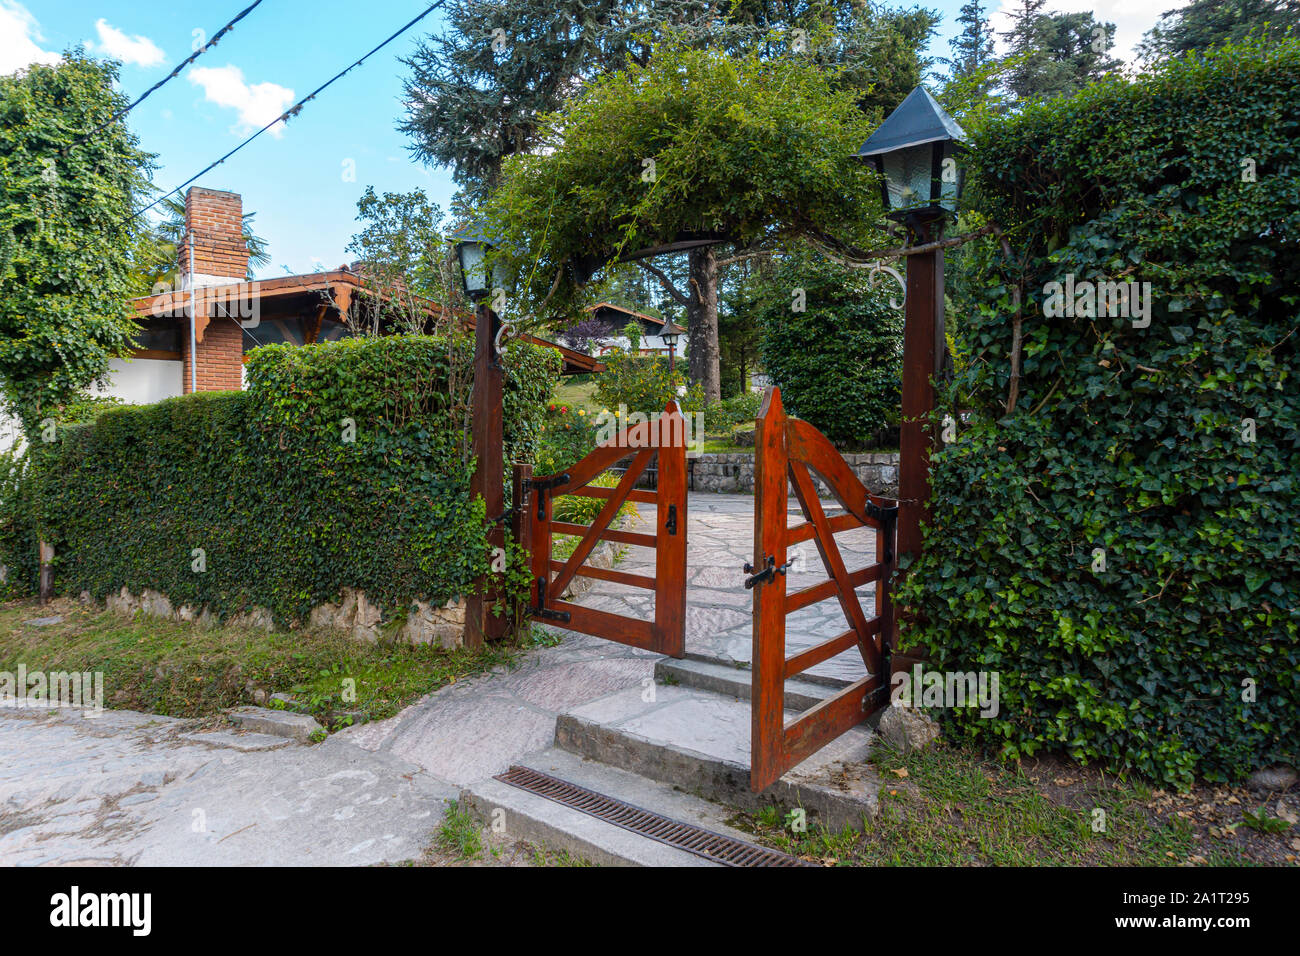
194 357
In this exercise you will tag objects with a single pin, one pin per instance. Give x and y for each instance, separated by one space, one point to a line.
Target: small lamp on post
915 151
670 334
473 249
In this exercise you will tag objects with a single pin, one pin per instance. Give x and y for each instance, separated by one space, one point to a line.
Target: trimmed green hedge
1181 657
838 360
343 464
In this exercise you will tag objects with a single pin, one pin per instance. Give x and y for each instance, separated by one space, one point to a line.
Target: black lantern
480 276
670 334
914 150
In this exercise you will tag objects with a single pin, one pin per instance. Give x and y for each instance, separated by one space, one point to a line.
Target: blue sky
296 177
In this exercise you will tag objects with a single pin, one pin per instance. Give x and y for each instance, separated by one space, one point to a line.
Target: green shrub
343 464
1181 656
18 537
838 362
644 385
722 416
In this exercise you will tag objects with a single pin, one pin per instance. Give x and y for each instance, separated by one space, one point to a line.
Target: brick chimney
214 224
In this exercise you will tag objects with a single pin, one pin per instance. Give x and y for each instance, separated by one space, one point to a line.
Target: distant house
614 318
233 316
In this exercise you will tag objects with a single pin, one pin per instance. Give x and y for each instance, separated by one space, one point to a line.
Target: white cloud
1132 18
257 104
19 39
134 51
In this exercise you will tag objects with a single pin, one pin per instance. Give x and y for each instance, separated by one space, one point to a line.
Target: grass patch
946 806
576 395
459 833
184 670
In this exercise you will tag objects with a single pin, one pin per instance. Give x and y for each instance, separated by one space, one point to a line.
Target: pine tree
1205 24
972 48
1026 48
1056 54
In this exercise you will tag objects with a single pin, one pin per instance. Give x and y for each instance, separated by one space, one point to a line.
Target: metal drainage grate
655 826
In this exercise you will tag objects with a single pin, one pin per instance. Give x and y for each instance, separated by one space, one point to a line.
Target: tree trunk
702 322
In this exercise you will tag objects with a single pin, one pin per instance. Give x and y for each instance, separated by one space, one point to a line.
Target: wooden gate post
771 484
489 455
669 435
923 351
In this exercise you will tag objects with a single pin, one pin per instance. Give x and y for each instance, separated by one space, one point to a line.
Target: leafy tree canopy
478 90
66 231
694 142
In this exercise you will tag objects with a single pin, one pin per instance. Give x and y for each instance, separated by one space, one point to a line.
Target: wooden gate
664 437
785 451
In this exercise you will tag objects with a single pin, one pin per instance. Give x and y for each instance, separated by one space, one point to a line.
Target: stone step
698 740
535 819
727 679
277 723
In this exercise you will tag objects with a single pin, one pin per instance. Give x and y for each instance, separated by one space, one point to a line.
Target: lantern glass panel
950 179
473 265
907 177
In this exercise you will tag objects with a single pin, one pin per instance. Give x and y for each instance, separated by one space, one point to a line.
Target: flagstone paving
475 728
719 611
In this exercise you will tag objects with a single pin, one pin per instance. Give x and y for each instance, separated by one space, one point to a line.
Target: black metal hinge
546 484
541 610
542 486
671 523
547 614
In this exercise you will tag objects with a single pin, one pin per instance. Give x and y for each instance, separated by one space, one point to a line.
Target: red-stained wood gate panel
785 451
664 436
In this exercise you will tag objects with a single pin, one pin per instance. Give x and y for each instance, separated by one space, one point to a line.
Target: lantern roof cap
476 230
918 120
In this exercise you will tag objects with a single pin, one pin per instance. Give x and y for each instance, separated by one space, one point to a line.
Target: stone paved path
131 788
719 611
475 728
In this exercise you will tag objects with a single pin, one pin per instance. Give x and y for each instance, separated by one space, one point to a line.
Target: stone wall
734 472
354 615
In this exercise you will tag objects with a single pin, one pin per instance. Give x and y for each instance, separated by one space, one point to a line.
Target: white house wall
143 381
652 342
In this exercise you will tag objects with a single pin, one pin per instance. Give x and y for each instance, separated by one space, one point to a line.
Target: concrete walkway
131 788
135 789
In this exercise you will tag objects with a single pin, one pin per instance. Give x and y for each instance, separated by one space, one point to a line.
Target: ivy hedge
1122 546
342 464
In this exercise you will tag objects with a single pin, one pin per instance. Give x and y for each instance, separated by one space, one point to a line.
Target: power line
170 76
291 111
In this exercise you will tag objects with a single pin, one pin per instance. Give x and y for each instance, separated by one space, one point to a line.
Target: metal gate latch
769 572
